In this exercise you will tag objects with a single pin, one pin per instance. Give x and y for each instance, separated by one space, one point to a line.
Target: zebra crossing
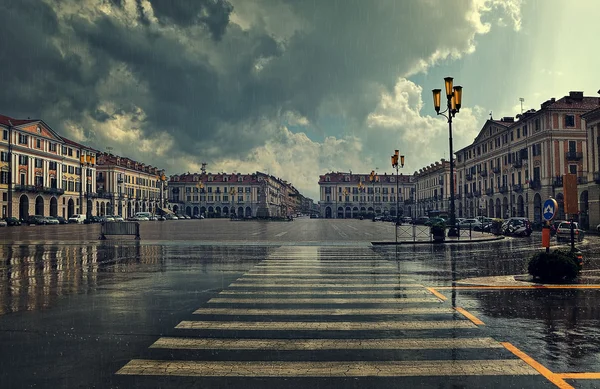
328 312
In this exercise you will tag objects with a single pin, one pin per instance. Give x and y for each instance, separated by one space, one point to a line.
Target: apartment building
513 166
432 188
224 195
590 192
347 195
46 174
126 187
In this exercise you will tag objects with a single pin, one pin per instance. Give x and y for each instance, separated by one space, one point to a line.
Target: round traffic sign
549 209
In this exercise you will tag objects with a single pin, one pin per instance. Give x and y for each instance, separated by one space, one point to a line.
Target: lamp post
86 161
454 97
396 164
372 179
345 194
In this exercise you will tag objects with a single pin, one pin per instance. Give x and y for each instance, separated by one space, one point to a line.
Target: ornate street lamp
454 101
231 196
200 186
396 164
373 178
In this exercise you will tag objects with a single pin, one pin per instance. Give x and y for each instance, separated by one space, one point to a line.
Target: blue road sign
549 209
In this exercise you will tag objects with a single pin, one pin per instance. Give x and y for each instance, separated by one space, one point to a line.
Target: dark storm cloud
212 89
214 14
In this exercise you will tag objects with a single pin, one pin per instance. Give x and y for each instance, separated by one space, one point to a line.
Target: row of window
217 189
211 198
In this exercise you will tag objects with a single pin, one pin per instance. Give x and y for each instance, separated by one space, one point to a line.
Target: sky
294 88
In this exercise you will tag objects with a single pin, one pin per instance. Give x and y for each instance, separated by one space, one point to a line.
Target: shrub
438 229
557 266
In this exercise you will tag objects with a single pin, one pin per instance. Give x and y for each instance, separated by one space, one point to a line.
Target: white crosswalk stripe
329 286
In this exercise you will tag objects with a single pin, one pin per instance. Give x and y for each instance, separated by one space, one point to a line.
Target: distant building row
235 195
44 173
511 167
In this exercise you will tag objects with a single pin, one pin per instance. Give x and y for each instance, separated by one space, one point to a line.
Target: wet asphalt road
76 311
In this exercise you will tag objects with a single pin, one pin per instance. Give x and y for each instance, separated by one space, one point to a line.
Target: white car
598 228
77 218
3 223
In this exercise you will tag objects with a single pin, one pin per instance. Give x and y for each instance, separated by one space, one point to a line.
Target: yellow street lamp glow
449 91
453 104
458 97
437 97
402 160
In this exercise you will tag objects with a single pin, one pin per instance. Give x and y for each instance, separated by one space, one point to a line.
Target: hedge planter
555 267
439 232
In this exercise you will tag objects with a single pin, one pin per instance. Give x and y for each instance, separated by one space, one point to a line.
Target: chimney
508 119
576 95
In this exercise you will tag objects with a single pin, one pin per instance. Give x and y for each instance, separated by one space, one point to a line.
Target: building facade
348 195
126 187
432 188
225 195
590 192
513 166
43 173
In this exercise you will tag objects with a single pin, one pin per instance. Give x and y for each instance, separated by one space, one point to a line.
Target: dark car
92 219
12 221
62 220
36 219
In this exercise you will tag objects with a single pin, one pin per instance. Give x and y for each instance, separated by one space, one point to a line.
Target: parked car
161 218
421 220
51 220
563 232
62 220
92 219
118 218
77 218
554 226
170 217
472 224
598 228
315 216
407 219
36 220
3 223
517 226
12 221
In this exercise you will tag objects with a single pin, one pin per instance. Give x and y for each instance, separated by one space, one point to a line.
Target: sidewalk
475 238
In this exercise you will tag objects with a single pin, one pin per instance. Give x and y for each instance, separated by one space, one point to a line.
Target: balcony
557 182
582 180
517 188
469 177
574 155
104 195
483 173
503 189
470 195
597 177
496 169
477 193
535 184
518 164
38 189
119 180
489 191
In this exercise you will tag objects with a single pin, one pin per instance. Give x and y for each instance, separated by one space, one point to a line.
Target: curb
385 243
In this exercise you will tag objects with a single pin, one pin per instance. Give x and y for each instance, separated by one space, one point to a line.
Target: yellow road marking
324 326
325 344
324 285
327 369
359 300
578 376
469 316
483 287
555 379
324 292
325 311
437 294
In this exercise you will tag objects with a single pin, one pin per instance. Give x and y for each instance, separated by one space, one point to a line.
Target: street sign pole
548 213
